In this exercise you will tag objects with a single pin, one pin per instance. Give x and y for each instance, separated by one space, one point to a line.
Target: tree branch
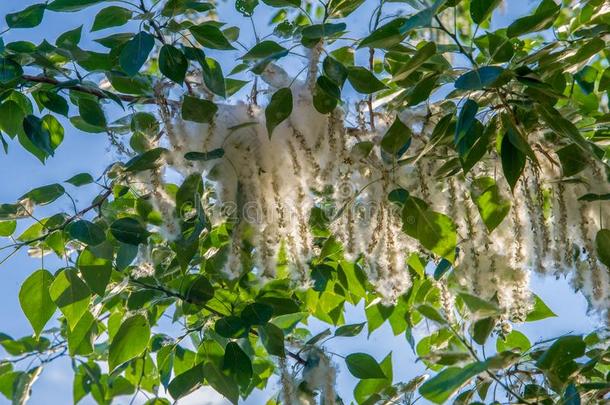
89 90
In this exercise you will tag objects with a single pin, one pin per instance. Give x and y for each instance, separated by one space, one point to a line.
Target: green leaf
479 307
540 311
326 95
38 135
343 8
480 10
213 77
44 195
492 206
9 70
441 387
80 179
350 330
385 36
279 109
237 363
205 156
482 328
69 39
113 16
86 232
173 63
431 313
257 313
421 19
80 339
514 340
135 52
174 8
11 118
435 231
129 230
272 337
246 7
91 112
265 49
29 17
334 70
571 396
71 295
129 342
486 76
415 62
397 139
53 102
221 383
602 245
71 5
563 350
230 327
318 31
186 382
564 127
282 3
363 366
210 36
513 161
146 161
573 160
7 228
198 110
363 81
542 19
35 300
200 291
95 270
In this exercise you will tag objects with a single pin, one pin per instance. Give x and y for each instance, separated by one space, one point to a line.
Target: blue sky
20 171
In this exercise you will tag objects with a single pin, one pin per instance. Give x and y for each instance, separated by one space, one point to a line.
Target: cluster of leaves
520 80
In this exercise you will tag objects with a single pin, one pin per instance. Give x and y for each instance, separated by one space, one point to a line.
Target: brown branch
103 197
89 90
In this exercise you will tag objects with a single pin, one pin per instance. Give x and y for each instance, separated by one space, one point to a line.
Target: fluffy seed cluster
269 185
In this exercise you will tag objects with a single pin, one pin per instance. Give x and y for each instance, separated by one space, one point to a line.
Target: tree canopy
277 161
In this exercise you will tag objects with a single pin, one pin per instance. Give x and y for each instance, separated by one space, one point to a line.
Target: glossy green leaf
35 300
27 18
486 76
272 337
540 311
602 246
198 110
113 16
71 5
95 270
480 10
279 109
129 230
71 295
173 63
129 342
86 232
492 205
135 52
541 19
363 81
397 139
363 366
442 386
210 36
